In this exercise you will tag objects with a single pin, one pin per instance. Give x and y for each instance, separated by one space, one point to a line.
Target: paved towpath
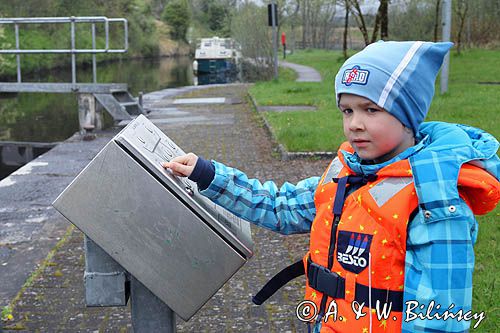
305 73
231 133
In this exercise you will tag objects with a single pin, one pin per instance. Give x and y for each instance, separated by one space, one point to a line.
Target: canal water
44 117
40 117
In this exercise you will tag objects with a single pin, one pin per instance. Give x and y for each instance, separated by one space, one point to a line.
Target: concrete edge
284 154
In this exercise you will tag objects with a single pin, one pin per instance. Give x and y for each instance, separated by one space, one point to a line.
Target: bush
177 16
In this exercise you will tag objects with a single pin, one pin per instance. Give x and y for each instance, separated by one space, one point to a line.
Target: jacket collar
435 161
354 162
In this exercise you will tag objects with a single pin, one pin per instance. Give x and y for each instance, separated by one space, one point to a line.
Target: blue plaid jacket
439 258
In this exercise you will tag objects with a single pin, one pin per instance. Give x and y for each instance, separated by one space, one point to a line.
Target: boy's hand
182 166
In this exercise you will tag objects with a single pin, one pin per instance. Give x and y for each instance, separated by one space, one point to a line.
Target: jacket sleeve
287 210
439 267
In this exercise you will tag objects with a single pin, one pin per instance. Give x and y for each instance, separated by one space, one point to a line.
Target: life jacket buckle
325 281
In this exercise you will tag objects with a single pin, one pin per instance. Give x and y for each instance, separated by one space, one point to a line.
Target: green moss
8 310
16 327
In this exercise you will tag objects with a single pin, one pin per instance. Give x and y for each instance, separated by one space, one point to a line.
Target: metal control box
179 244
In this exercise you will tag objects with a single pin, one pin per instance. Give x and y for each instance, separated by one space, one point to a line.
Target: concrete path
29 226
54 300
305 73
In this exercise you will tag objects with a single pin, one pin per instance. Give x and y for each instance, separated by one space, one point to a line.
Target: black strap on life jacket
279 280
329 283
322 279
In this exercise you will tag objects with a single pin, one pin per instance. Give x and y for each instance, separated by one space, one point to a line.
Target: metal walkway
114 97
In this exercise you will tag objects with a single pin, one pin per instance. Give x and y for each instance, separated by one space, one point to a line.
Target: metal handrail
73 20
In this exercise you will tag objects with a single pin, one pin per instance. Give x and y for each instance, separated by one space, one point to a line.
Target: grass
486 291
318 131
466 102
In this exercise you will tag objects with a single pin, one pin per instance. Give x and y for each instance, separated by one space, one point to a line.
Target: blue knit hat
397 76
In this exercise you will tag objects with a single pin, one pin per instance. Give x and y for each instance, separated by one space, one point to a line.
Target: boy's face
374 133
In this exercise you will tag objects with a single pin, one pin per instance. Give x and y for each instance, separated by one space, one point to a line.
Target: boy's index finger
180 159
168 164
179 169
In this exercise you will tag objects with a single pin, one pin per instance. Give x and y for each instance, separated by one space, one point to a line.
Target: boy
391 219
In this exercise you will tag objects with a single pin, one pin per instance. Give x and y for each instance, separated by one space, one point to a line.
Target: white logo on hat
355 75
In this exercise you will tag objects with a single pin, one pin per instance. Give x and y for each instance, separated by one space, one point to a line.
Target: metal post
105 279
88 118
94 67
446 38
275 39
149 313
73 55
106 33
18 56
125 33
108 284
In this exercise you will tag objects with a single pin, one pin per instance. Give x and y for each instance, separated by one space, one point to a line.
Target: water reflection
54 117
204 79
43 117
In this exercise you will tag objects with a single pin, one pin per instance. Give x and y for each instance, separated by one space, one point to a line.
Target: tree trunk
376 25
360 20
329 27
313 18
462 9
436 20
294 17
346 26
304 23
384 19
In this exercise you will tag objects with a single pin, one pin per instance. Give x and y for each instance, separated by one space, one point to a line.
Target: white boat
216 56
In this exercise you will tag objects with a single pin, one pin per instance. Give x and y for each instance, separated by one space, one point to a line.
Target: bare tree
326 22
305 21
384 19
256 45
436 20
346 27
461 9
413 20
313 19
292 12
355 7
317 21
421 20
376 26
381 21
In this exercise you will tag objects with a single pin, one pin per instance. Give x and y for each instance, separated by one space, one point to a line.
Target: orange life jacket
356 259
368 250
364 248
